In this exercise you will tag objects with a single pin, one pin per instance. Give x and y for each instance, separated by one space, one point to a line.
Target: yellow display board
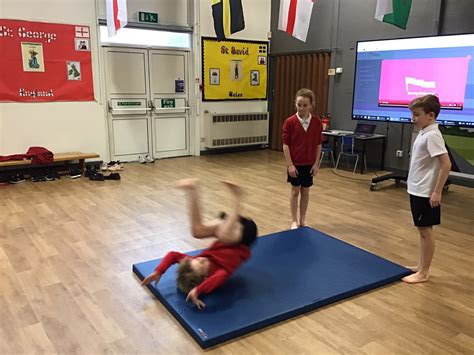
234 70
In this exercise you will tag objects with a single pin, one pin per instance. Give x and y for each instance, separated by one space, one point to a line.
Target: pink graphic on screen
402 80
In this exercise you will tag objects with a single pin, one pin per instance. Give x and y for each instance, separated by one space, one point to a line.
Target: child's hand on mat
193 296
314 170
154 276
292 171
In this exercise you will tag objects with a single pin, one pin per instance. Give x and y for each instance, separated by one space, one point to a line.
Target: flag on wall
116 15
228 17
295 16
395 12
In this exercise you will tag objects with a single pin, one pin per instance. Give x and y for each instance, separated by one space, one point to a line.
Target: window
146 38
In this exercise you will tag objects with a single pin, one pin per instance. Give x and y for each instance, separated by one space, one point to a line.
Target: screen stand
403 176
395 176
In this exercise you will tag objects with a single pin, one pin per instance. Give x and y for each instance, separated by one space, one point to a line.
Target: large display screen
391 73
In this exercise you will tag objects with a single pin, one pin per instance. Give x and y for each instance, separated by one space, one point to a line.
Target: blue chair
326 149
348 150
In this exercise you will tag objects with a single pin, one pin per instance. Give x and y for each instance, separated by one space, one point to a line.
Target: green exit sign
150 17
168 103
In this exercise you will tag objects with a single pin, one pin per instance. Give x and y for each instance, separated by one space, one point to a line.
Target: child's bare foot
294 225
416 278
236 189
413 268
302 224
187 183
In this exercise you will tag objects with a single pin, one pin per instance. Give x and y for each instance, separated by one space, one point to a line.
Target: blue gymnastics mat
288 274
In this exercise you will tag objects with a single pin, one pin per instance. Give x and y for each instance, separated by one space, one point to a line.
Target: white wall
257 26
81 126
70 126
62 126
170 12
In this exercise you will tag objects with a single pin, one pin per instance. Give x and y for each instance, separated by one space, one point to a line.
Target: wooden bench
66 158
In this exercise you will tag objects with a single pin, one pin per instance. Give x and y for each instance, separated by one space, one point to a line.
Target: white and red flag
82 32
295 16
116 15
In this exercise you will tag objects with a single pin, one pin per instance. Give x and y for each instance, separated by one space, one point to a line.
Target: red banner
42 62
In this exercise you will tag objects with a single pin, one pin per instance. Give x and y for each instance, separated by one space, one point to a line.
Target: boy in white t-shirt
429 170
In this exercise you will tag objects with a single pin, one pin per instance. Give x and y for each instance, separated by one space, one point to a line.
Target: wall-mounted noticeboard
234 70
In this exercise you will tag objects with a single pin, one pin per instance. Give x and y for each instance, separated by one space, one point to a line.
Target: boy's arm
315 167
171 258
212 282
286 135
209 285
443 174
287 154
291 167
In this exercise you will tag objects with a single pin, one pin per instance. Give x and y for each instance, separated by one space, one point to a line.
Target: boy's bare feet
416 278
236 189
294 225
187 183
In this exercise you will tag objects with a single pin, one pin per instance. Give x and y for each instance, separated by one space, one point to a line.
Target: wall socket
399 153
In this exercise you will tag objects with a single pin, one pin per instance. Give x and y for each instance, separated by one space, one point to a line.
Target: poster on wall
234 70
44 62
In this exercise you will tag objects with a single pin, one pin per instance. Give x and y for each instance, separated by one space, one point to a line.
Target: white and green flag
395 12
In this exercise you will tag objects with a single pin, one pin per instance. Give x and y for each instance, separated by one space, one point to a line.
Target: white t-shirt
305 123
424 164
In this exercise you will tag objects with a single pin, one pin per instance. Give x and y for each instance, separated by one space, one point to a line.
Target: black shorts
423 214
249 231
303 178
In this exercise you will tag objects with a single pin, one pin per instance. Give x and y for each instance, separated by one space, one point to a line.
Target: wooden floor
66 250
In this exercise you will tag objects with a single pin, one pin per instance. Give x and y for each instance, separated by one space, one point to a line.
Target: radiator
237 129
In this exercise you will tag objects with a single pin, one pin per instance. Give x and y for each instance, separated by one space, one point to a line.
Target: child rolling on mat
201 274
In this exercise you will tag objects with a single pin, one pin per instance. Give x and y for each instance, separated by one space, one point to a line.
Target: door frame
194 132
108 100
157 115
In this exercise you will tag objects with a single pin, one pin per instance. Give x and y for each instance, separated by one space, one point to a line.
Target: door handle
130 109
152 107
171 108
112 110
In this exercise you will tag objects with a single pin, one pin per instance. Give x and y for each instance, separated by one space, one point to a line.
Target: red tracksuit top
224 258
302 143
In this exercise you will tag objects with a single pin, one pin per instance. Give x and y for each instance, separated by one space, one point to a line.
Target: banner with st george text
43 62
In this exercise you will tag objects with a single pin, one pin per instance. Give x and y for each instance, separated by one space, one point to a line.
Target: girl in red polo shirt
201 274
302 141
